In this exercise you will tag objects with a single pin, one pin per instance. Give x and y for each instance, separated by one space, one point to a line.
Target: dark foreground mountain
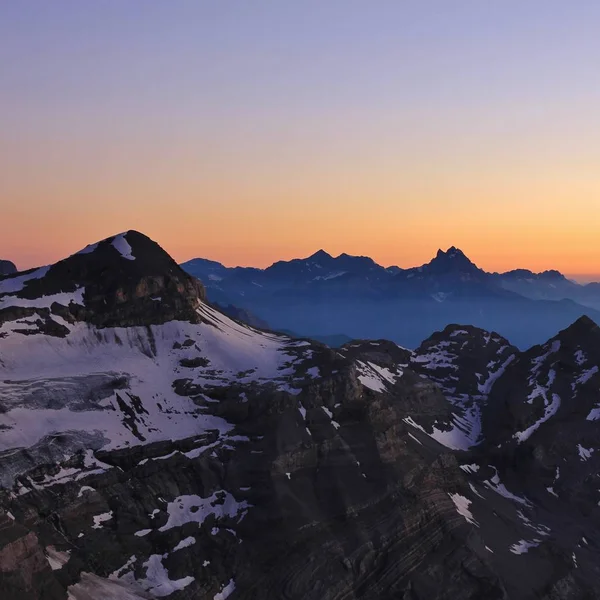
325 295
7 267
151 446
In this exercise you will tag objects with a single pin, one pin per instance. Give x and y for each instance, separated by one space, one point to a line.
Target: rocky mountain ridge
151 446
321 266
325 295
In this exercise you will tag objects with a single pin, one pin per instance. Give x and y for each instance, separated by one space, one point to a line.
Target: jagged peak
452 252
453 259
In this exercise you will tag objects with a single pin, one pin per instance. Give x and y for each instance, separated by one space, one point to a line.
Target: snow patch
121 244
584 453
102 518
157 580
375 377
313 372
497 486
226 591
84 489
549 411
185 543
523 546
462 507
415 438
470 468
56 559
142 532
12 285
88 249
194 509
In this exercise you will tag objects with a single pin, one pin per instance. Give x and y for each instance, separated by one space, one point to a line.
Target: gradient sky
249 131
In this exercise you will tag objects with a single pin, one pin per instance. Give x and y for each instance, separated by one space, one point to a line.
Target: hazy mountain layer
323 296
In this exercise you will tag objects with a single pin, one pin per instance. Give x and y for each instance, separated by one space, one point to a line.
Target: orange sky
251 135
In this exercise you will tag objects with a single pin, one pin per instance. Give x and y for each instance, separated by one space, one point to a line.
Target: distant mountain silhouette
325 295
7 267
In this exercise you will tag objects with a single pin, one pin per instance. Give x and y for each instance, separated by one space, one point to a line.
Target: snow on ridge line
88 249
121 244
12 285
63 298
486 387
549 411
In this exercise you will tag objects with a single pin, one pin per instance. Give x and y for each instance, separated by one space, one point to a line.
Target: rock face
123 281
7 267
151 446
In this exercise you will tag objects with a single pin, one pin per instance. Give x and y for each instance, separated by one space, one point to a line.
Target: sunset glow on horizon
254 132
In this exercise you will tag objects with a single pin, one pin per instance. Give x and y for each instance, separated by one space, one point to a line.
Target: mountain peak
320 255
452 259
551 274
582 330
452 252
584 323
123 280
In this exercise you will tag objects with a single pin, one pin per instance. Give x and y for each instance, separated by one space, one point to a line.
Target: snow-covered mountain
326 295
151 446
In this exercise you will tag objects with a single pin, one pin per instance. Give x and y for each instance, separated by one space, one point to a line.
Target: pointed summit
320 255
452 252
583 326
453 260
124 280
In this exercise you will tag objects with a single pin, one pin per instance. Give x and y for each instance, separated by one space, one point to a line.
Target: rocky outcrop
124 281
7 267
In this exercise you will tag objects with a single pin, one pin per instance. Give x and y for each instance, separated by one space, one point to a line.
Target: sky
248 132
